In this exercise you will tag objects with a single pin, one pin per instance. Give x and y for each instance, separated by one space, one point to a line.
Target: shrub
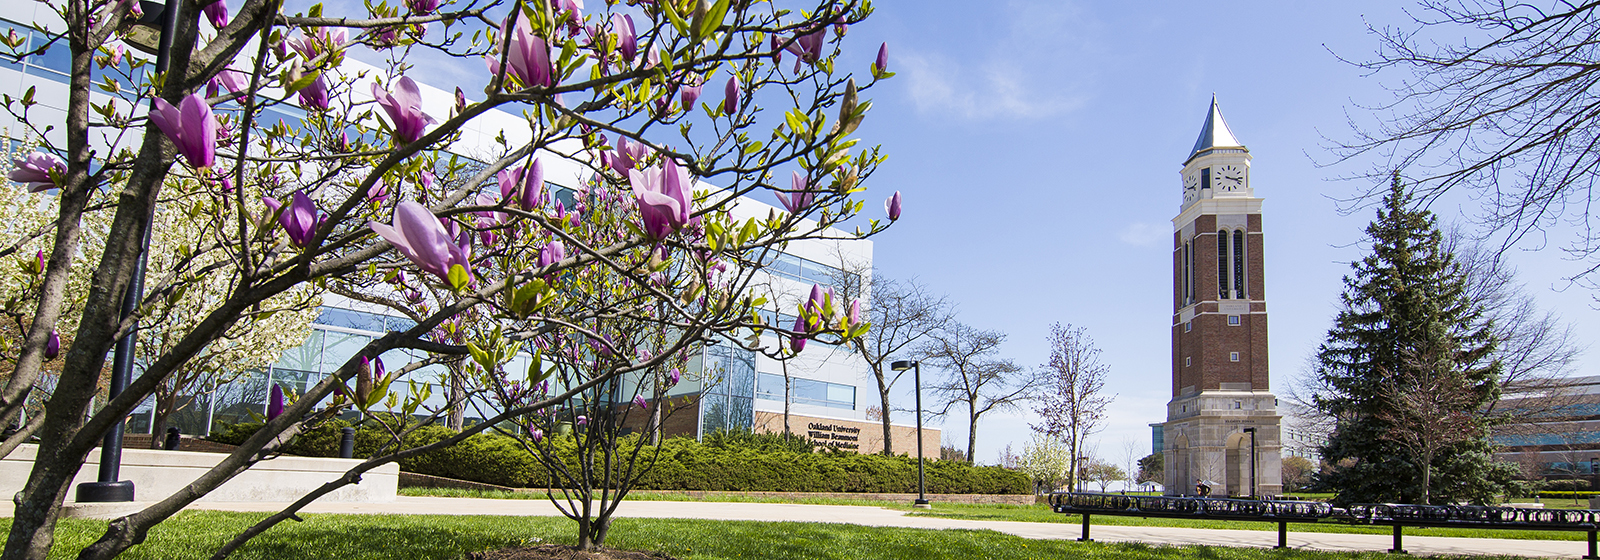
726 461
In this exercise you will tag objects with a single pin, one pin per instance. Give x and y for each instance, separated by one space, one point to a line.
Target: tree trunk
788 386
1427 479
656 403
458 406
888 430
972 433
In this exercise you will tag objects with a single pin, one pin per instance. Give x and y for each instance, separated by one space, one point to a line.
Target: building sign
834 435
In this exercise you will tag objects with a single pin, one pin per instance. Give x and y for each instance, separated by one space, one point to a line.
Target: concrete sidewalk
880 517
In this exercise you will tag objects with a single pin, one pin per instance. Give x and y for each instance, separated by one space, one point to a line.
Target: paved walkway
881 517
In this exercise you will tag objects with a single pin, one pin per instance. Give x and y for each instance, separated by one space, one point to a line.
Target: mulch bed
563 552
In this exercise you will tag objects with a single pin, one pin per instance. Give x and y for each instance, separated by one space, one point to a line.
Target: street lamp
916 375
1252 432
152 34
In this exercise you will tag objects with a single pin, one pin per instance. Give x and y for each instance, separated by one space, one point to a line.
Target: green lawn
1042 514
419 537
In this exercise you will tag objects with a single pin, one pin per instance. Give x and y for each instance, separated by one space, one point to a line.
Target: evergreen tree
1405 318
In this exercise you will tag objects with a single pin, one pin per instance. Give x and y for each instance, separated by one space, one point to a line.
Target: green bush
734 461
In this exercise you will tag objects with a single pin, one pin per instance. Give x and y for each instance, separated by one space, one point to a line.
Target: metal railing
1284 512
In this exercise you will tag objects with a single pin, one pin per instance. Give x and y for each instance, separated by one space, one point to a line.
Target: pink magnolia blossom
190 126
627 40
421 237
528 56
662 197
422 7
315 95
323 40
33 170
52 347
275 406
800 194
217 13
892 206
229 79
730 99
300 220
404 107
552 253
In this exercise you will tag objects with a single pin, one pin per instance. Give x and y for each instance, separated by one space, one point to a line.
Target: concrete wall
865 435
158 474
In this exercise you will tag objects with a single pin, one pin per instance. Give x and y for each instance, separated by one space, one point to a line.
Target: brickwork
1221 378
680 417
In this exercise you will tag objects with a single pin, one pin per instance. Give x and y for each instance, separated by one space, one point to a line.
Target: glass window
58 58
1233 320
339 347
807 391
1222 264
351 319
306 356
1238 263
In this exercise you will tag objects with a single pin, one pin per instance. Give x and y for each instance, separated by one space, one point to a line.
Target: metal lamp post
152 34
916 376
1252 432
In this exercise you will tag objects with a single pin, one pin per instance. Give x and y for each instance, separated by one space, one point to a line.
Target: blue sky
1038 143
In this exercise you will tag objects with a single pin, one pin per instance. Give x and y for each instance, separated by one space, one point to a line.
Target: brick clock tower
1220 381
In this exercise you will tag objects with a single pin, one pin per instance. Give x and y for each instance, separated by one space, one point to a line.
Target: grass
424 537
1042 514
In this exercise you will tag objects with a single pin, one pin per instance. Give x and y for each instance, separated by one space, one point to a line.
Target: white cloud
1141 234
1037 69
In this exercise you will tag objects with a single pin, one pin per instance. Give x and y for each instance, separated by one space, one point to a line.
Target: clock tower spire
1222 422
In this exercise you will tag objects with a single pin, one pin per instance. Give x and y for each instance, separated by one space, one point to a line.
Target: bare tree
1130 459
1432 409
975 377
903 313
1508 113
1535 347
1073 406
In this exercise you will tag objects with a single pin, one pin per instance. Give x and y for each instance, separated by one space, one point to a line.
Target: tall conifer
1405 314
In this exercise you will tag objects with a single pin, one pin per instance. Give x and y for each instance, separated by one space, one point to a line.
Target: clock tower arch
1222 422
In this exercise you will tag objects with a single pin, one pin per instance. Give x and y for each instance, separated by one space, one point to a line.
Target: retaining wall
158 474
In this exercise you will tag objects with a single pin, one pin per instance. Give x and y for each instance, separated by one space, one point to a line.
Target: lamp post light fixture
916 376
1252 432
151 34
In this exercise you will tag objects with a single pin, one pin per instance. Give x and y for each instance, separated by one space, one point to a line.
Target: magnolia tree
366 187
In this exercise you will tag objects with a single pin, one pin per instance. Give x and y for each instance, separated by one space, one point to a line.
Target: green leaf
669 7
315 11
712 21
480 356
305 80
458 277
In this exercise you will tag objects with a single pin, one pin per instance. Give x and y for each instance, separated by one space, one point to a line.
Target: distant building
831 390
1558 432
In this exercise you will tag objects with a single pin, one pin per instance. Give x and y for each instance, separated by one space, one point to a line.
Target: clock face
1230 178
1191 187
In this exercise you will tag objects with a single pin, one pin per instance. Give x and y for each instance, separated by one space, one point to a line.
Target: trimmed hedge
734 463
